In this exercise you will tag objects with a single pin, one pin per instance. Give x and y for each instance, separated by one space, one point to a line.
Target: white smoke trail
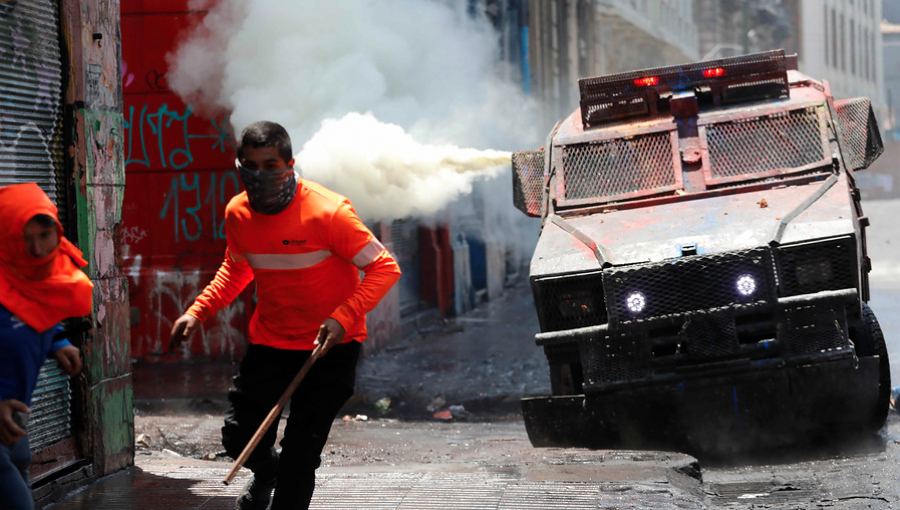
387 172
425 69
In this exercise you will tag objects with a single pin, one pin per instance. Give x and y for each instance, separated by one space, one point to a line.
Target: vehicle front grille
814 267
814 328
620 168
614 358
567 302
762 145
689 285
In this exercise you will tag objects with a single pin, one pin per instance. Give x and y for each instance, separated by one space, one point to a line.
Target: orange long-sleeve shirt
306 263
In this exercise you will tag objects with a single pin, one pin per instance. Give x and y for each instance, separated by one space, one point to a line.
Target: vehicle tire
869 341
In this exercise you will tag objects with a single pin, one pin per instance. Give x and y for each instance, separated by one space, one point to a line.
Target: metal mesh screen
859 130
528 179
689 284
620 168
809 268
710 335
569 302
615 358
814 328
761 145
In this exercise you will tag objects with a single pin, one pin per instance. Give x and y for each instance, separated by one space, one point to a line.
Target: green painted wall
96 160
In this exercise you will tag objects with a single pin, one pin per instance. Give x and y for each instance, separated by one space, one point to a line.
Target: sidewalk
510 475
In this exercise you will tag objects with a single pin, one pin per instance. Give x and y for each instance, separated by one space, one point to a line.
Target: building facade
61 126
572 39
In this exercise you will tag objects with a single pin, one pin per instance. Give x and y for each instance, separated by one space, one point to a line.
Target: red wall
179 176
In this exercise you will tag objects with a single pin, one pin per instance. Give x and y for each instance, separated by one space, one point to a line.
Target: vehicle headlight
746 285
636 302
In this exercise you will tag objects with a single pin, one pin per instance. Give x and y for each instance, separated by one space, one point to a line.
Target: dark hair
266 134
44 220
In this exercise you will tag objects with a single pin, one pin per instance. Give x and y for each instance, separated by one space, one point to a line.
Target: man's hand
331 333
69 358
9 431
183 328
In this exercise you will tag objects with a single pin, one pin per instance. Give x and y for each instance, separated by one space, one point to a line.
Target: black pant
264 375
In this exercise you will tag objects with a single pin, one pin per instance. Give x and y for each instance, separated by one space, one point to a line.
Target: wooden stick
261 431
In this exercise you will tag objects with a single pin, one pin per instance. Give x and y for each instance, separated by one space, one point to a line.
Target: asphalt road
481 364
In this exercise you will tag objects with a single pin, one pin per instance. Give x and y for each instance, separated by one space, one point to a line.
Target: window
827 32
834 39
843 43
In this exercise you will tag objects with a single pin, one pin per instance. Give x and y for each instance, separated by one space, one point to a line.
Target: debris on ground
383 405
458 412
437 403
763 204
358 417
444 415
142 441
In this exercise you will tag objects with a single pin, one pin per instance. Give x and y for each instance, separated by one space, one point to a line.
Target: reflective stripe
368 254
235 257
287 260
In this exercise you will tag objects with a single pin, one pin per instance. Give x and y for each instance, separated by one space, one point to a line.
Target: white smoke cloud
427 71
389 173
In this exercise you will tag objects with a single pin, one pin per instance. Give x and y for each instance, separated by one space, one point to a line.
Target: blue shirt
22 353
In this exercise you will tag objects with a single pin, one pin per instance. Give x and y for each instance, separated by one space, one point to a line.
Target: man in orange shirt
304 245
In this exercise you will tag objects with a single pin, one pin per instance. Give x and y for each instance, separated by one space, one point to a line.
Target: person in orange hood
304 245
41 283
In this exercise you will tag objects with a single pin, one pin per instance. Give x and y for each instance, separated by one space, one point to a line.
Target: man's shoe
256 495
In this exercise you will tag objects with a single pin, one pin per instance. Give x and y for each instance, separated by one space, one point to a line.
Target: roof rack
751 77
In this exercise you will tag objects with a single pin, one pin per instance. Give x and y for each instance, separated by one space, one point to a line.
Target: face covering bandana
269 192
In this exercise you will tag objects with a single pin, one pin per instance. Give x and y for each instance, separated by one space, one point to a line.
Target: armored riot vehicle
701 277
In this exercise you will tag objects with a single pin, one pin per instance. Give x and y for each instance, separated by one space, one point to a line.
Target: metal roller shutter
31 150
405 238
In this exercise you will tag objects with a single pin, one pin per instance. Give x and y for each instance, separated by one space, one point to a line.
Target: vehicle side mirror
861 139
528 181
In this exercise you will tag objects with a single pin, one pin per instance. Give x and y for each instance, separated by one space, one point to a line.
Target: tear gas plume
381 95
387 172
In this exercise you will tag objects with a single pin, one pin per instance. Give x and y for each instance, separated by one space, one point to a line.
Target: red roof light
647 81
716 72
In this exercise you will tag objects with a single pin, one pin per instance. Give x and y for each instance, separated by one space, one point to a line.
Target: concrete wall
93 101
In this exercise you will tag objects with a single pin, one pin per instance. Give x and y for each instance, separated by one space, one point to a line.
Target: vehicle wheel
869 341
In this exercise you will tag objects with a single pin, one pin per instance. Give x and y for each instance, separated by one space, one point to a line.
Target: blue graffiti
186 214
160 122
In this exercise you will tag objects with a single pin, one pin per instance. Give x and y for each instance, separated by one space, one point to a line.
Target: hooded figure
41 283
41 291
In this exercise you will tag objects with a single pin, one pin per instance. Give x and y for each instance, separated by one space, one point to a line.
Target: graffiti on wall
172 292
179 165
189 194
165 132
